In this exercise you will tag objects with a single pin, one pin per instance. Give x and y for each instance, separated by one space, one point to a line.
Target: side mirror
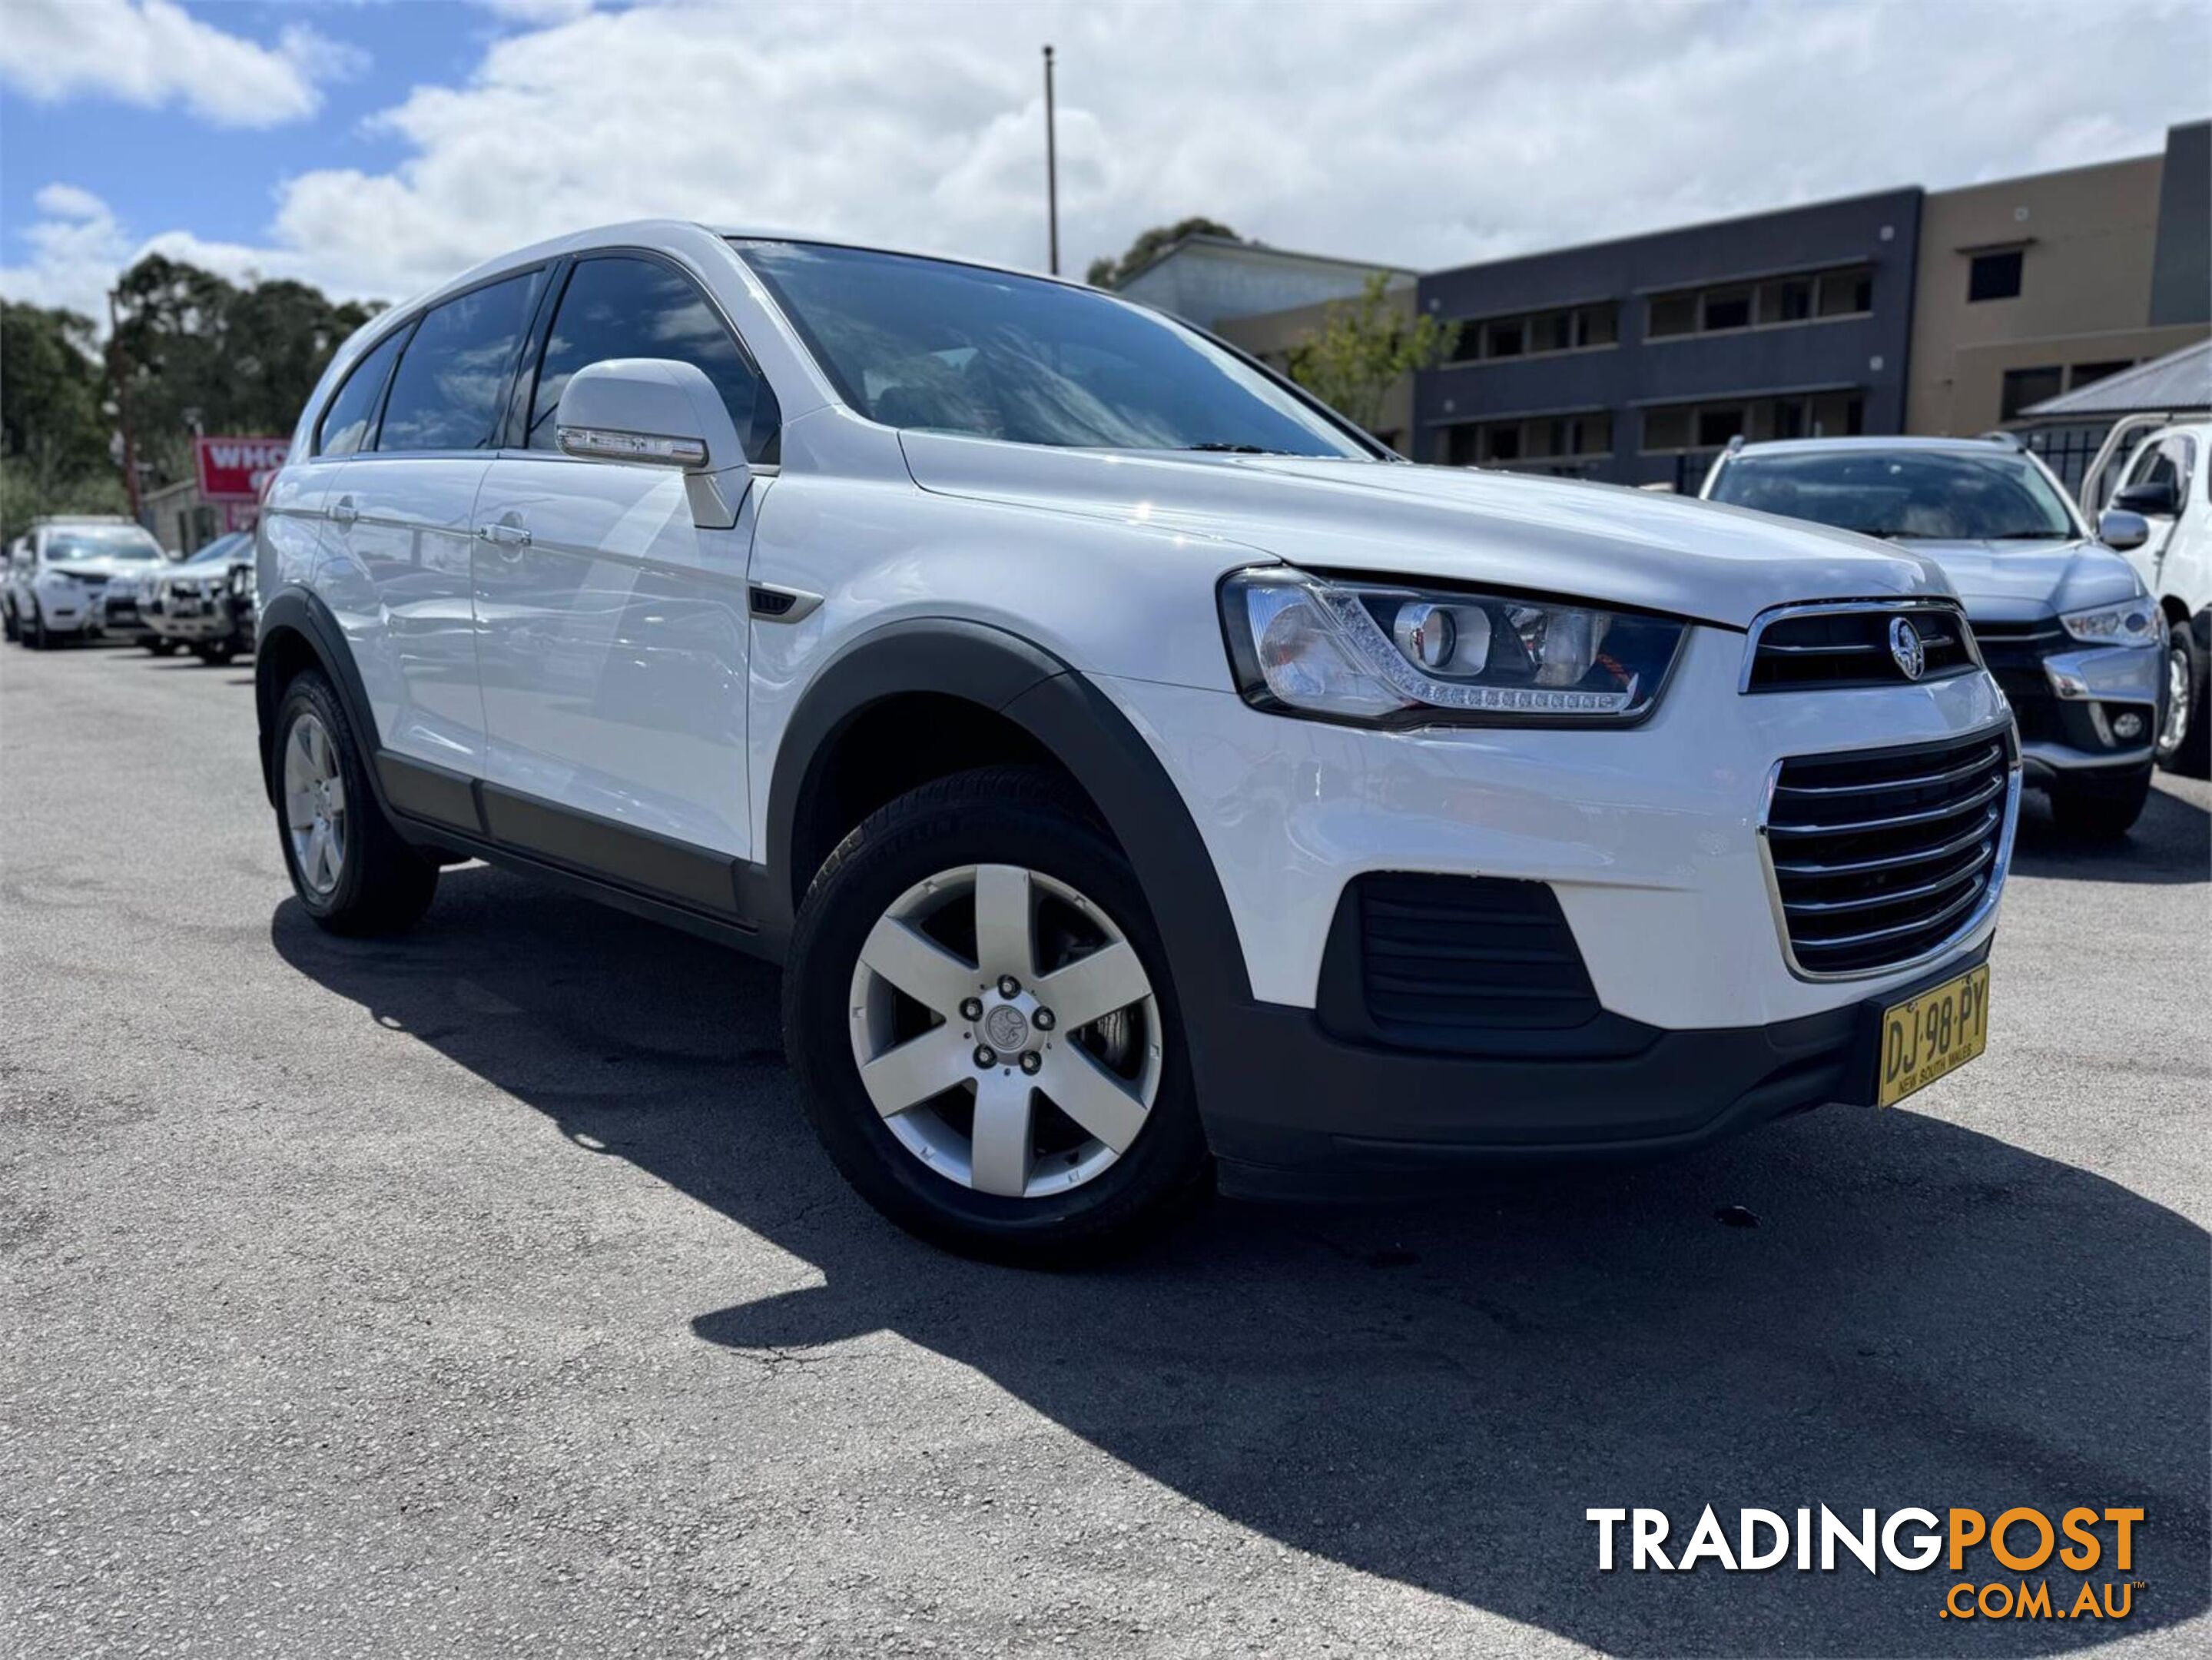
2154 500
2120 530
657 412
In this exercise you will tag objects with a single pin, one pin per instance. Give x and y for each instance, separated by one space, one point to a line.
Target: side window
2151 465
625 307
347 424
446 393
2184 452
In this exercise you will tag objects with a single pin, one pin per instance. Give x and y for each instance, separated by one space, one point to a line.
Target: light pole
1051 171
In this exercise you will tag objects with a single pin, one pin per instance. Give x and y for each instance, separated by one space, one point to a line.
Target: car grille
1441 955
1880 857
1826 647
2013 653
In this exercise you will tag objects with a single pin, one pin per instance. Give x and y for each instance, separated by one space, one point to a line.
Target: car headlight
57 579
2131 623
1387 654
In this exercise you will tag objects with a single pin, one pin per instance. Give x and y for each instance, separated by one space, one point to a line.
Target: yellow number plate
1925 1037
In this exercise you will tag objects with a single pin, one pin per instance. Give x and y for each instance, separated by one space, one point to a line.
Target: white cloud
1424 133
154 53
78 247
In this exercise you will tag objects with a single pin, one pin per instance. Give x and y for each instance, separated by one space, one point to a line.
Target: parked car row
105 578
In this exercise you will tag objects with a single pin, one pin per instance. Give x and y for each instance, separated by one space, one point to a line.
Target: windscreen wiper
1220 448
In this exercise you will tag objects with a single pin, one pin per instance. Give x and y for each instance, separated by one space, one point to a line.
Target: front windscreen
1928 496
929 344
223 550
121 542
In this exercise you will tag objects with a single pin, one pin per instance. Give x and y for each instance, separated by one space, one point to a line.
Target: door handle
343 511
504 536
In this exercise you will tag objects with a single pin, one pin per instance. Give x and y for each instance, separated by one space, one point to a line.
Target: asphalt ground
483 1292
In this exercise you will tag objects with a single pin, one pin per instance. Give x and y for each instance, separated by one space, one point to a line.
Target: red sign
235 469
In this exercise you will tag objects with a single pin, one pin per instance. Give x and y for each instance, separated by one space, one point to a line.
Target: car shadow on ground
1920 1315
2172 842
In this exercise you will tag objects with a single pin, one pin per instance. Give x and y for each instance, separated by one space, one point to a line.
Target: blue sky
147 162
400 140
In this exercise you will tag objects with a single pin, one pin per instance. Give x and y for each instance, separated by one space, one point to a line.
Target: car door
612 631
2159 460
399 573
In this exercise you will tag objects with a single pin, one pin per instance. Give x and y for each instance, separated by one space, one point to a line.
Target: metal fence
2067 450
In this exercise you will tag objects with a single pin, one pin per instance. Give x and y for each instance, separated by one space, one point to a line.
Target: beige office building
2028 287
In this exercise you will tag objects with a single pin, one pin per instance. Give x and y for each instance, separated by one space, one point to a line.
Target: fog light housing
2128 727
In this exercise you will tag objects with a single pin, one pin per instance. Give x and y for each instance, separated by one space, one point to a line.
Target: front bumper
1336 1121
1649 840
210 622
2081 709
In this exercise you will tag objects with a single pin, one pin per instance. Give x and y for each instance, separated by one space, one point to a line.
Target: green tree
1363 347
54 426
203 354
1107 273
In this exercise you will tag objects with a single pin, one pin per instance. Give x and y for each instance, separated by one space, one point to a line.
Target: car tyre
2098 810
9 624
35 635
215 656
2184 729
351 871
1047 1188
160 647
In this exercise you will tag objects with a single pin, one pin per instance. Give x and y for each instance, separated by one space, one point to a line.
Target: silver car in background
204 605
2062 621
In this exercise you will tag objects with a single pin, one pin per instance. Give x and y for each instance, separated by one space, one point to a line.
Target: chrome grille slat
1880 871
1896 821
1991 817
1875 901
1838 644
1980 760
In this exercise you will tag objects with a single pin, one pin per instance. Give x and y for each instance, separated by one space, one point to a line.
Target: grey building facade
1632 361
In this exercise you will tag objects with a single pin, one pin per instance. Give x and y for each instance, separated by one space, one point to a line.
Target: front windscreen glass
1928 496
121 542
939 347
222 550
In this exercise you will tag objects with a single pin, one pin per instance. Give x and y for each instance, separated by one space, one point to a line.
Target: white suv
57 571
2161 515
1147 781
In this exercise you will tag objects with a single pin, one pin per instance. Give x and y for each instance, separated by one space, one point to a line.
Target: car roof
648 230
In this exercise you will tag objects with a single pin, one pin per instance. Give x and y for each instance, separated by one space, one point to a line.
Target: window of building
1690 427
1717 426
1771 302
1672 313
1728 308
1788 301
1994 276
623 306
449 389
1532 442
2025 386
2087 375
1573 328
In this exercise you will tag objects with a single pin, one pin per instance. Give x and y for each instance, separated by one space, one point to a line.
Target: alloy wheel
1006 1031
2175 725
314 804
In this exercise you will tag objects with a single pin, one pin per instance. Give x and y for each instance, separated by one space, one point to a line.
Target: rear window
349 422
